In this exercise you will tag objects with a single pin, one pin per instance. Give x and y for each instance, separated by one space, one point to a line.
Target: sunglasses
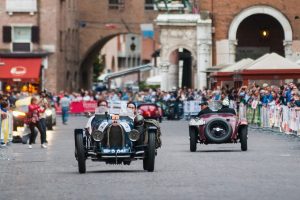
102 104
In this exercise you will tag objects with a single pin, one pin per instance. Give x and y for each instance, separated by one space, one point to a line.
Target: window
21 38
21 34
149 4
116 4
21 6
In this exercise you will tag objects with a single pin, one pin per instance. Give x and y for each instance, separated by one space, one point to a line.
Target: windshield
215 105
101 110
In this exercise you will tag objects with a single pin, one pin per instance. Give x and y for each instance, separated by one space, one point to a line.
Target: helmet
225 102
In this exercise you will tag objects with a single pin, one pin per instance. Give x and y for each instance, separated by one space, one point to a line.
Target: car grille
115 136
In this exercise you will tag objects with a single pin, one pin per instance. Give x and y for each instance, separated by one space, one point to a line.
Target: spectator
34 111
65 107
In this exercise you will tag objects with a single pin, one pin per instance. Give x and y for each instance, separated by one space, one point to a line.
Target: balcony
13 6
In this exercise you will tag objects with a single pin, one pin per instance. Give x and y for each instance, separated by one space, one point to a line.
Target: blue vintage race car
116 139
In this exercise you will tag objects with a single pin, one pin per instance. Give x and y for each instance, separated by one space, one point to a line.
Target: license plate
115 151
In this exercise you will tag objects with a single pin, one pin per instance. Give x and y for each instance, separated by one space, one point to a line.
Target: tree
98 67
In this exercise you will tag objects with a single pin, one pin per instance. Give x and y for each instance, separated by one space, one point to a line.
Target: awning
154 80
20 69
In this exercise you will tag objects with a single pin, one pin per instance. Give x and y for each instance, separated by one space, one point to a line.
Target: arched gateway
185 50
263 12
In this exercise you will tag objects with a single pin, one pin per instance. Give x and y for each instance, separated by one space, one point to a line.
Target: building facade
39 36
223 32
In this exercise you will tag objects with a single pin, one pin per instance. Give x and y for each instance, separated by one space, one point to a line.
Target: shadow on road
218 151
115 171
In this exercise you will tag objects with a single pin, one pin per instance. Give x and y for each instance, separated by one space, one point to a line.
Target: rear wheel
218 131
243 138
149 162
80 152
193 140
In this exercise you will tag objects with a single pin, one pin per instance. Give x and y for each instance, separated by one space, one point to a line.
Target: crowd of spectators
265 94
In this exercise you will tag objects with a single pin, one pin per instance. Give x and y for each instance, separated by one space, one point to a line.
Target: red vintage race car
218 128
150 111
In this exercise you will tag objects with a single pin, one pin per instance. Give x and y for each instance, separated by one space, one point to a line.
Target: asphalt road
270 169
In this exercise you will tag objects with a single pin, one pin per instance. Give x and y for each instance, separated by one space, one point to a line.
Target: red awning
20 69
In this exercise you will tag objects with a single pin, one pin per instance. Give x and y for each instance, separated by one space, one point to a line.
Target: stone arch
288 34
260 9
184 46
88 58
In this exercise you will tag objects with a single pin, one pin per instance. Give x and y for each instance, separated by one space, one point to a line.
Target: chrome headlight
18 114
197 122
98 135
48 112
134 135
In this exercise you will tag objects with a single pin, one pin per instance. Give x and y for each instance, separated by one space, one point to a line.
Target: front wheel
193 140
244 138
80 152
150 159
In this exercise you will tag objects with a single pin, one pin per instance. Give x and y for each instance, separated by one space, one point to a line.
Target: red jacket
34 111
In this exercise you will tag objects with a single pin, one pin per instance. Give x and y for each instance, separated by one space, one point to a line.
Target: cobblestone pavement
269 170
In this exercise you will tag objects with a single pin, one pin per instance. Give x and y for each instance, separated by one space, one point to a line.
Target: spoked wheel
243 138
149 160
193 140
80 152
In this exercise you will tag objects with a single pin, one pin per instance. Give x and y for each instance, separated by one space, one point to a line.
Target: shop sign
18 71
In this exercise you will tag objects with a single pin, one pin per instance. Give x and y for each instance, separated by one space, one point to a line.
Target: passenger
131 108
225 107
101 109
204 109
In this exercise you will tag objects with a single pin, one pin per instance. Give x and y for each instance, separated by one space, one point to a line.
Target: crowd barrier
272 117
79 107
6 129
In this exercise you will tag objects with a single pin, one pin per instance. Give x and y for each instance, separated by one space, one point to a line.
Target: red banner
80 107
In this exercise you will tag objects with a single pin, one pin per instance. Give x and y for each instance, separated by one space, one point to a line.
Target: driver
225 107
102 107
204 109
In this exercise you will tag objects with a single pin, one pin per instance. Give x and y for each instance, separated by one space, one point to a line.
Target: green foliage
143 86
98 67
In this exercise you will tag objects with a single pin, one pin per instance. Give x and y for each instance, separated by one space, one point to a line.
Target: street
268 170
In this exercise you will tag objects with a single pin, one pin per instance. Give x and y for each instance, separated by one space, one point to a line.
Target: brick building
39 45
67 35
221 33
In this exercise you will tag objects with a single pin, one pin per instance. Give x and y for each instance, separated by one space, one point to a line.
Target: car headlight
197 122
48 112
134 135
18 114
98 135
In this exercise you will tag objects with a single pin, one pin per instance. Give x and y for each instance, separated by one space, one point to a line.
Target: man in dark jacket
204 109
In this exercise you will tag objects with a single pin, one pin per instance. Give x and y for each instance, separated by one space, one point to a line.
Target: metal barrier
6 130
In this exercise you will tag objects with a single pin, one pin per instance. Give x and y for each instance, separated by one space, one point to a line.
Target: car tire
243 134
209 134
145 164
79 151
151 153
193 139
